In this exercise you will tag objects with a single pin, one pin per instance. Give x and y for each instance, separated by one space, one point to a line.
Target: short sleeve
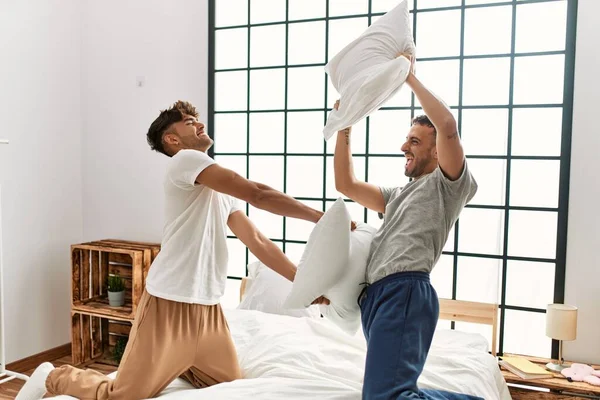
387 193
464 187
236 205
185 167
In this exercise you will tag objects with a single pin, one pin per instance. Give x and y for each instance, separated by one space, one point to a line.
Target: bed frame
454 310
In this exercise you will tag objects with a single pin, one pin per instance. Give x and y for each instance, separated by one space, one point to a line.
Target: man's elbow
342 186
449 128
258 197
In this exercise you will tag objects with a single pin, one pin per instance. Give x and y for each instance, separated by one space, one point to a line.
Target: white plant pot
116 299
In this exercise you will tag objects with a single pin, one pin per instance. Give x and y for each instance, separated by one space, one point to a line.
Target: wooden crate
91 265
95 326
153 248
93 338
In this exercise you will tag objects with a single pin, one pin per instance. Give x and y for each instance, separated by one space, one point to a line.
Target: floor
10 389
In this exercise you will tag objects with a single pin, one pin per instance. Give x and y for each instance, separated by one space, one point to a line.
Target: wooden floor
10 389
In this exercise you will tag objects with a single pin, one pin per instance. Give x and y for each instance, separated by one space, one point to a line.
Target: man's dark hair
423 120
165 119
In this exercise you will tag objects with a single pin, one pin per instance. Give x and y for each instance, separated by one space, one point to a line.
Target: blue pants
399 315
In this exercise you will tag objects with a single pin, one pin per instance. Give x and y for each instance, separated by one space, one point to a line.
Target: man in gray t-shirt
399 306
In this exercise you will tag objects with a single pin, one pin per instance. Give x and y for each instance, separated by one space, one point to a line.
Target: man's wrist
317 216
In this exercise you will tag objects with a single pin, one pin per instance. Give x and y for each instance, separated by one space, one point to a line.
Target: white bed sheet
301 358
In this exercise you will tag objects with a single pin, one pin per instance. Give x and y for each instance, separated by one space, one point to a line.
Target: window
509 85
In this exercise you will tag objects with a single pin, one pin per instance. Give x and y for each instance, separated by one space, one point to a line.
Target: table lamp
561 324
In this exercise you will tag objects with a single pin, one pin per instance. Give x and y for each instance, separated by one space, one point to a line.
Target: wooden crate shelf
99 306
94 338
96 326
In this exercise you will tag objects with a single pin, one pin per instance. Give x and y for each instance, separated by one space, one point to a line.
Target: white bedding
301 358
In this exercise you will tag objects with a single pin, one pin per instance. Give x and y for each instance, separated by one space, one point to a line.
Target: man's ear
171 139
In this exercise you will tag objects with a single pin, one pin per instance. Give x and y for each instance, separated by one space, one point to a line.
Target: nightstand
554 388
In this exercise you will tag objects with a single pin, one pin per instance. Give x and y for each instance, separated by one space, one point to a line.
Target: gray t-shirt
416 223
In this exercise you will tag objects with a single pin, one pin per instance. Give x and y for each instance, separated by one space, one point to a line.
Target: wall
583 267
40 171
166 43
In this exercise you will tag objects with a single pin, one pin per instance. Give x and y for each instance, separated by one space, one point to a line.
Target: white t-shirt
192 264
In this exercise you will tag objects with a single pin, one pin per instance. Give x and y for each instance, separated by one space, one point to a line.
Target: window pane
359 171
491 181
530 284
267 89
469 2
231 48
449 245
252 258
237 258
231 12
267 46
306 43
429 41
306 87
231 91
441 276
537 131
230 133
435 4
332 95
539 79
343 31
486 81
305 9
266 132
532 234
294 251
266 11
388 130
484 131
479 279
358 139
235 163
378 6
231 296
304 132
298 229
481 231
305 176
387 171
267 170
348 7
534 183
535 343
488 30
271 225
541 27
441 77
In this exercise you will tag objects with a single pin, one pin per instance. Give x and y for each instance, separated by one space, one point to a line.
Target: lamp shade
561 322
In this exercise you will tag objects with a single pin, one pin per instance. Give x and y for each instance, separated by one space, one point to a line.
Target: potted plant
116 291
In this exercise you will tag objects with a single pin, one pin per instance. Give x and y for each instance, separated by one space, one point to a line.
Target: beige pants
168 339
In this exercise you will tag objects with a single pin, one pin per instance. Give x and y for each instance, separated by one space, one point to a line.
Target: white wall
583 263
165 42
40 171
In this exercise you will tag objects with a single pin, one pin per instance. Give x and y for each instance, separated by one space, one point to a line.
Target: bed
285 357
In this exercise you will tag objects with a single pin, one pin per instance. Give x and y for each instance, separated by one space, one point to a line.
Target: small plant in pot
116 291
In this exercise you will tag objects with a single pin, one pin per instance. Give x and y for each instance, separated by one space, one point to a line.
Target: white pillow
266 291
366 73
326 252
343 295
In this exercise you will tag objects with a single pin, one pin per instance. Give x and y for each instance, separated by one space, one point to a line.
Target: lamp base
556 367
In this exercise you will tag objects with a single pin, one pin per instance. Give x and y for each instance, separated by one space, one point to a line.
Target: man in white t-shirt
179 328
